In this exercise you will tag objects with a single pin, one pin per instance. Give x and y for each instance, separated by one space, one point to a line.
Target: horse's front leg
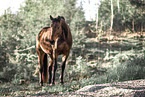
55 55
64 59
50 68
54 65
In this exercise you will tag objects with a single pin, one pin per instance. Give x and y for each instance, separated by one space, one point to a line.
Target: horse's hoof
41 83
49 83
52 84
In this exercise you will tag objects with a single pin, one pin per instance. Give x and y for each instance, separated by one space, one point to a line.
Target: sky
89 7
13 4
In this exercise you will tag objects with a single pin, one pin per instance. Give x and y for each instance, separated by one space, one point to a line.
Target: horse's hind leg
64 59
40 60
54 65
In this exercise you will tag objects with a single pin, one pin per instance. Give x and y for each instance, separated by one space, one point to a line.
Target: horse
52 41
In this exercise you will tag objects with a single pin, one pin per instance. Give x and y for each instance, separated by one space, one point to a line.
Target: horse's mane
65 27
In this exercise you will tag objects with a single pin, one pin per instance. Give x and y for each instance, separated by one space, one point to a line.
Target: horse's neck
64 33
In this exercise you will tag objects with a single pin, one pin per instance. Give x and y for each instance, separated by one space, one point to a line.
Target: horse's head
56 29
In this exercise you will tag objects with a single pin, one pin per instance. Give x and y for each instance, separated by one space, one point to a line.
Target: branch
25 49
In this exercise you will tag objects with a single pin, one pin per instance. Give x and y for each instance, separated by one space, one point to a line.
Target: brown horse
54 40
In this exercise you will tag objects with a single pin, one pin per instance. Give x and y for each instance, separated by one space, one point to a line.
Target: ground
133 88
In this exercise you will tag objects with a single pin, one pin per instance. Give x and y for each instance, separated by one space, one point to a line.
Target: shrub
130 69
78 70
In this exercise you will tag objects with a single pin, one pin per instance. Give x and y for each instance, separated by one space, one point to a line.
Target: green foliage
127 66
78 70
132 68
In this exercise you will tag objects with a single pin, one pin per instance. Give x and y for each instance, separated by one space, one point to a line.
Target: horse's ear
58 17
51 18
62 17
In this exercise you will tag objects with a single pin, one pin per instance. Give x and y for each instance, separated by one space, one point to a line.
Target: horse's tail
45 69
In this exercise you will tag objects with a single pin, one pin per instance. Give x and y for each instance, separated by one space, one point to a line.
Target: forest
109 49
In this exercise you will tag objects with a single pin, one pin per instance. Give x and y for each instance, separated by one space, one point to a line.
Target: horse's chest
62 48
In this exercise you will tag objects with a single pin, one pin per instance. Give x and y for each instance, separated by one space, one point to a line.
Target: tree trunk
141 32
133 25
111 17
97 19
118 6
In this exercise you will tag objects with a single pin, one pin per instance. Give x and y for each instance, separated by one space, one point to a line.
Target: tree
118 6
10 39
140 4
126 17
111 16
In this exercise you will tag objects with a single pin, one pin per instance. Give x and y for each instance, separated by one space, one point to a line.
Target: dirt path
135 88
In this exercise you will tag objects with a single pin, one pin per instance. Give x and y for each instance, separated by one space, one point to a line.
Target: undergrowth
124 66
